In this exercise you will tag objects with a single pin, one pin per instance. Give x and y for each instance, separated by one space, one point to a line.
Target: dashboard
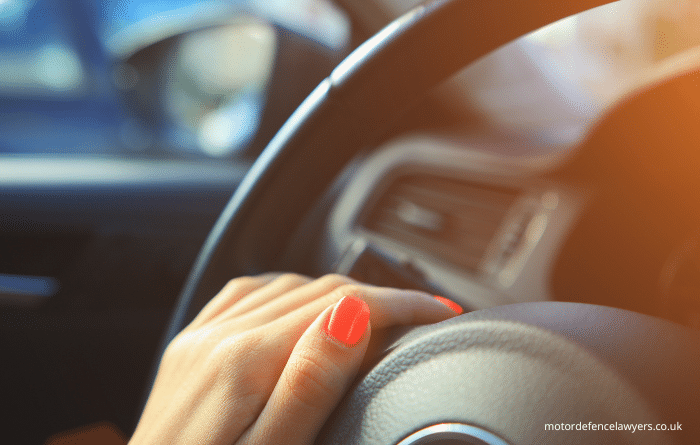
480 228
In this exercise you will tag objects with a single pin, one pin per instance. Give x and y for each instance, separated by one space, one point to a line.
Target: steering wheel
488 377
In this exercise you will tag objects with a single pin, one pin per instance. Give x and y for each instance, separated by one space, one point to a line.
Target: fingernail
348 320
450 304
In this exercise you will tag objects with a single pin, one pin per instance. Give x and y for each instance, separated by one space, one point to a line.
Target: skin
257 366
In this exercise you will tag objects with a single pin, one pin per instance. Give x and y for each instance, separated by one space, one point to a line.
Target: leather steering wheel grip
513 369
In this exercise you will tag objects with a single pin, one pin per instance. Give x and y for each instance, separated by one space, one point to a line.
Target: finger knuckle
172 351
234 349
180 343
236 284
233 366
184 344
313 379
293 279
335 280
347 290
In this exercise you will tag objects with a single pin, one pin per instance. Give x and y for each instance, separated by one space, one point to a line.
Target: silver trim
364 51
28 171
26 290
126 41
452 431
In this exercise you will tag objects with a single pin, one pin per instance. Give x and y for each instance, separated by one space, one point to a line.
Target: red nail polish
450 304
348 320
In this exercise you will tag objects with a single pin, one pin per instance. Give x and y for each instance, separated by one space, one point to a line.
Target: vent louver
450 219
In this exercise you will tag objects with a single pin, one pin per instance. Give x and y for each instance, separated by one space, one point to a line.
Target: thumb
319 371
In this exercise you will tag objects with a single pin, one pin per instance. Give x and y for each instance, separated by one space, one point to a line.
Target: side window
50 92
153 78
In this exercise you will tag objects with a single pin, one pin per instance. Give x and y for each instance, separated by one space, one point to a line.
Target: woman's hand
269 358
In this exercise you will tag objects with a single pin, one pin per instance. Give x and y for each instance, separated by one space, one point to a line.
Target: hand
269 358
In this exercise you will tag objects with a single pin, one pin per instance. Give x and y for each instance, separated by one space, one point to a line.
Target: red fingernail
348 320
450 304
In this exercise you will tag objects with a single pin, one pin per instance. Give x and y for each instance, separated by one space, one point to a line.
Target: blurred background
158 78
553 83
125 126
216 78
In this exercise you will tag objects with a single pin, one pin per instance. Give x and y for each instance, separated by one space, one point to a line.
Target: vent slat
450 219
468 258
466 197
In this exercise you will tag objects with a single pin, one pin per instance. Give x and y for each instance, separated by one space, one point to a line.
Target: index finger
388 307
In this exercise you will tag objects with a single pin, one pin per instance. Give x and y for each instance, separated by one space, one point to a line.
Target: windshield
555 82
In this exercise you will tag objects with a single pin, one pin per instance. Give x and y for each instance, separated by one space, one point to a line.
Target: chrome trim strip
26 289
452 431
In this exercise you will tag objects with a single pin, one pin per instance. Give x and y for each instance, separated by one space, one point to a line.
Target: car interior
543 177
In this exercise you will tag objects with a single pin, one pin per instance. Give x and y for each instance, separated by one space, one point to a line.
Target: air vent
450 219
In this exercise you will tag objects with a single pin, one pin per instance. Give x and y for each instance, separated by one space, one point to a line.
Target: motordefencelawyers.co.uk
632 427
